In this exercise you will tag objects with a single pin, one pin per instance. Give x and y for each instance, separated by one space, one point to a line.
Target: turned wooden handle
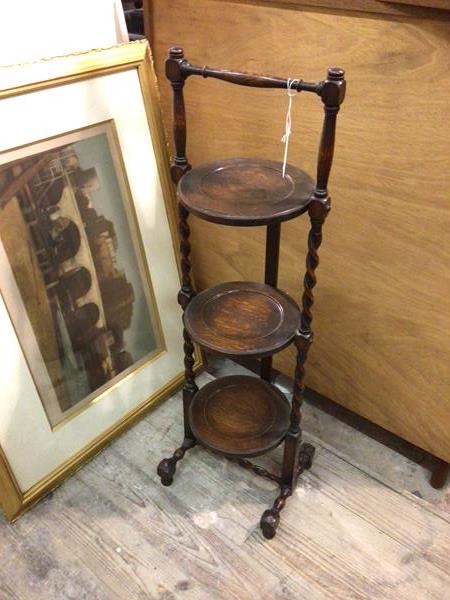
249 79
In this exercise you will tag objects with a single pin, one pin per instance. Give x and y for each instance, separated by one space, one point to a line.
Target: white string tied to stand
288 129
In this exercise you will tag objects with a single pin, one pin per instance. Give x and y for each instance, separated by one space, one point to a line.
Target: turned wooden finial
335 74
173 65
176 52
333 88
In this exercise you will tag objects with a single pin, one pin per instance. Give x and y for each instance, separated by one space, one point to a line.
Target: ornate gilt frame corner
61 71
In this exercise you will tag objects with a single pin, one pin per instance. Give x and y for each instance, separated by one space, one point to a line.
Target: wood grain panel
382 314
411 8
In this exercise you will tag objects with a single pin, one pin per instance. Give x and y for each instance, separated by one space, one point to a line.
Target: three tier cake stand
241 416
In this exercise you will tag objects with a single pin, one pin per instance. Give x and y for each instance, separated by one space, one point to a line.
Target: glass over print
72 271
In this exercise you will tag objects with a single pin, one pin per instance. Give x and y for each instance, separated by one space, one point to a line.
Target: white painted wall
32 29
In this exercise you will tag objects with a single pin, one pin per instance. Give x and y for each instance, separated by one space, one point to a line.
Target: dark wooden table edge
233 221
240 355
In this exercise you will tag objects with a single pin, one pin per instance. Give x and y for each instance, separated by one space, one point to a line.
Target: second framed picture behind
90 327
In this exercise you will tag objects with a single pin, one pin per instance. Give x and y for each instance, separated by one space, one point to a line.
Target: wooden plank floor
113 532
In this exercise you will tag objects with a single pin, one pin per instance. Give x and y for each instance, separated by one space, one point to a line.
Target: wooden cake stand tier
245 192
239 416
242 318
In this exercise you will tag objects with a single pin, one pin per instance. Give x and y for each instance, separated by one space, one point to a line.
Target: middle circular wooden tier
242 318
245 191
239 416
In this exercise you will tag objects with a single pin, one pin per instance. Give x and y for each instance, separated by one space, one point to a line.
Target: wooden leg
271 517
289 471
272 254
266 368
292 464
298 457
293 438
167 467
440 474
271 278
190 387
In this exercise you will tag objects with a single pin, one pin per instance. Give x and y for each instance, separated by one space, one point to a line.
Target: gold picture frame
57 74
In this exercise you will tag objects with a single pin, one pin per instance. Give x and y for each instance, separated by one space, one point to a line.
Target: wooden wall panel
386 7
382 316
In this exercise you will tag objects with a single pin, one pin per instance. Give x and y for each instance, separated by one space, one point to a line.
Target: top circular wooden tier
245 191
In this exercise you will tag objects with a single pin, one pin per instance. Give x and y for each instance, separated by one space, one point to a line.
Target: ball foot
269 523
166 470
166 481
306 456
167 467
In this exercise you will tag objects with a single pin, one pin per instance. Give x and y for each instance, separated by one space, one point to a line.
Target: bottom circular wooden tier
239 416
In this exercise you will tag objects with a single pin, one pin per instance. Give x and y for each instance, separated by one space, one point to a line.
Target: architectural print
69 233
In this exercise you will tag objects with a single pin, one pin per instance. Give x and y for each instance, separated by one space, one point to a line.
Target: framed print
75 286
89 322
